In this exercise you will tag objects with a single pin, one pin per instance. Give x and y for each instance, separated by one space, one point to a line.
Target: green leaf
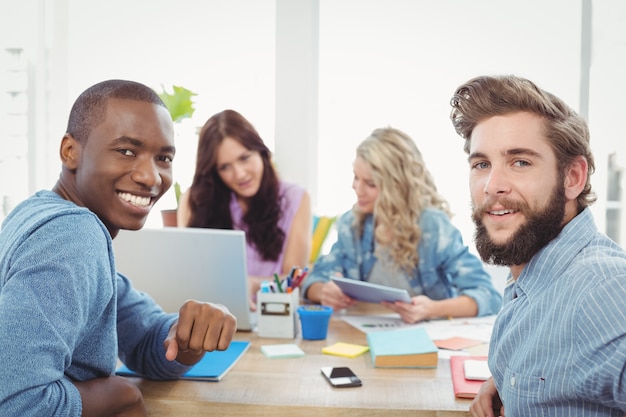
179 103
177 192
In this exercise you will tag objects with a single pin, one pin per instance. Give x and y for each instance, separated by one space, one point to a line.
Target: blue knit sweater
65 314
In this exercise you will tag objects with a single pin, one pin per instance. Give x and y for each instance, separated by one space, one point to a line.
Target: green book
402 348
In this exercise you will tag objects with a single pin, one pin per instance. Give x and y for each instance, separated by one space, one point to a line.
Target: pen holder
314 320
277 314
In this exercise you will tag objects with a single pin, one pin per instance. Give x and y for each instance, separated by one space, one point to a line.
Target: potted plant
181 107
169 215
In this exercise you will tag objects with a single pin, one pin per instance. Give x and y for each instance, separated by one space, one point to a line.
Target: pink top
290 197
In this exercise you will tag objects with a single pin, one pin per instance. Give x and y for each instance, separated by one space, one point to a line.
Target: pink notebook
463 388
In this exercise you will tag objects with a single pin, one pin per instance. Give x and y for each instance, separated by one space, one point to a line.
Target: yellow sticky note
345 349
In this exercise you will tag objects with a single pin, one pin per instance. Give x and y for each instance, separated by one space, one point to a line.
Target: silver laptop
173 265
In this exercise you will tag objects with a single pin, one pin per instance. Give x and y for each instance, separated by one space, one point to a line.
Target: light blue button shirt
558 347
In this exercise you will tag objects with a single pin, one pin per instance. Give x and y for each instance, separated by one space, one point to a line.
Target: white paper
476 370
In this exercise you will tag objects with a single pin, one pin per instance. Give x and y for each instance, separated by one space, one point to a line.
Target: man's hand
112 396
487 402
201 327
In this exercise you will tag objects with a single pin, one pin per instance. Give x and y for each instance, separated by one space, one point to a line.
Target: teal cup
314 321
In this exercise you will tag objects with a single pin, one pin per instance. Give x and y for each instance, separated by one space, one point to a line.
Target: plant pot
169 218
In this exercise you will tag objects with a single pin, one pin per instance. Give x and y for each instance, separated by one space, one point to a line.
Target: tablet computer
370 293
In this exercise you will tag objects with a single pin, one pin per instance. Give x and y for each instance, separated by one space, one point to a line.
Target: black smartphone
341 377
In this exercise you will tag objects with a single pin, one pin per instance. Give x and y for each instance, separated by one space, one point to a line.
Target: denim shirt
446 267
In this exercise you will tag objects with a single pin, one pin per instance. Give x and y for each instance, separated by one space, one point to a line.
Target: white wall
607 92
398 62
222 50
18 30
381 62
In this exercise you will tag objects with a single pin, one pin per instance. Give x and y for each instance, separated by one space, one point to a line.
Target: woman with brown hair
236 186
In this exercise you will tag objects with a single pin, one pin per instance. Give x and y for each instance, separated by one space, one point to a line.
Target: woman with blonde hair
399 234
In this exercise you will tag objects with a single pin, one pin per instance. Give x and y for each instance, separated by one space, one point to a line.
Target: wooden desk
258 386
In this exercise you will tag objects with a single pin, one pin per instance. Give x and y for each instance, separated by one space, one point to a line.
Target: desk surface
258 386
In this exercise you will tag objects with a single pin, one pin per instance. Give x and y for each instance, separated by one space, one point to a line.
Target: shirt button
512 381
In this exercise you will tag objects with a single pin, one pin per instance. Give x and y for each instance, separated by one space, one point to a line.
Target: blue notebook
213 366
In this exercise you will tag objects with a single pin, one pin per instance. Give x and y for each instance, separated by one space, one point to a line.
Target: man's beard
540 228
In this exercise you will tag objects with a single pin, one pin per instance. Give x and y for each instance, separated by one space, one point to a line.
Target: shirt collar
550 262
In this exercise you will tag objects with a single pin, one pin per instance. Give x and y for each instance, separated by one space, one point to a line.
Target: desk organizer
277 314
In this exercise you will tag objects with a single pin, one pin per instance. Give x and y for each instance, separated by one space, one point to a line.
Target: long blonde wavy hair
406 188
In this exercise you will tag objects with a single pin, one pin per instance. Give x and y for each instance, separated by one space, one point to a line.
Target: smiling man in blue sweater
66 314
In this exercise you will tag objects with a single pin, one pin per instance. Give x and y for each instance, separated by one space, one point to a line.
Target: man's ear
70 152
576 178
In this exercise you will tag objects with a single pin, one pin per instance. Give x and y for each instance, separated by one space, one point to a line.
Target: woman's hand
423 308
420 308
332 296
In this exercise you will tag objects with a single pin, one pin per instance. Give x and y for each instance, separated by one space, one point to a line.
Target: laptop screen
173 265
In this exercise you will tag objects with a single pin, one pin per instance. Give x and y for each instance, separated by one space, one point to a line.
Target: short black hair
89 109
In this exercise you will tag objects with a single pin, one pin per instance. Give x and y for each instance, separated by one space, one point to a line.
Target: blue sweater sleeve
53 297
62 308
142 328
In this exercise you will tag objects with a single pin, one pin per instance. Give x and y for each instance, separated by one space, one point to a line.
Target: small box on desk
277 314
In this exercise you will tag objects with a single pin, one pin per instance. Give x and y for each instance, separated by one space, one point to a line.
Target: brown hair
566 131
210 198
